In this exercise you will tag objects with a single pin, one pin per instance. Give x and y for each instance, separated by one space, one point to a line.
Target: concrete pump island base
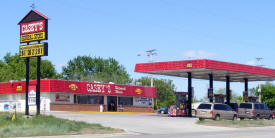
209 70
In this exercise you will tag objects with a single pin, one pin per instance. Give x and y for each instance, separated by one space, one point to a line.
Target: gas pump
181 103
252 99
219 98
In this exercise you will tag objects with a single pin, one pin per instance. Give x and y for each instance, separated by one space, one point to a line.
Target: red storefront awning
80 87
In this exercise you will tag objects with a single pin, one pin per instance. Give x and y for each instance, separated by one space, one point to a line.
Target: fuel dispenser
180 109
219 98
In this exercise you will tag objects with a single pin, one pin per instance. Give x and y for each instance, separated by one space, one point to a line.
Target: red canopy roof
201 68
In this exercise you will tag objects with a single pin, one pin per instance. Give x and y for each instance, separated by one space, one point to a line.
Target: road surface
161 126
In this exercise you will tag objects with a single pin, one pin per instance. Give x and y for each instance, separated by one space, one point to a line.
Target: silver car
254 111
215 111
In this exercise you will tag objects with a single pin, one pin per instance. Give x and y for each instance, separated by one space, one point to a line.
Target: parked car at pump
234 106
163 110
215 111
254 111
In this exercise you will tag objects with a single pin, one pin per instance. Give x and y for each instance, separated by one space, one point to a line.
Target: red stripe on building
80 87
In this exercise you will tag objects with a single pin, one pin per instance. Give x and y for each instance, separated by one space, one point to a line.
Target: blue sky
233 31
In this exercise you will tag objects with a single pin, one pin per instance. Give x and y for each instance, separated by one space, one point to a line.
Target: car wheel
270 117
217 117
201 119
241 118
234 117
258 117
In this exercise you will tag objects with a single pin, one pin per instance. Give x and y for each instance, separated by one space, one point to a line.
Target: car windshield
246 105
204 106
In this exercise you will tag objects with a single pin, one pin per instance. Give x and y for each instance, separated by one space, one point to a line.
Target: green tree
234 99
267 92
86 68
12 67
165 91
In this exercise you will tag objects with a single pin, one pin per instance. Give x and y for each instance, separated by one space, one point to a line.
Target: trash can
121 108
101 108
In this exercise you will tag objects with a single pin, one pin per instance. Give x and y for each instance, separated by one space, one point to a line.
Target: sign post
33 28
38 87
27 86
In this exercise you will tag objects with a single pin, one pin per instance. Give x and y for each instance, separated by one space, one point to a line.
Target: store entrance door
112 103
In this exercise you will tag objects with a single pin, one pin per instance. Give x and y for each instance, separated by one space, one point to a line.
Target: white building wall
8 101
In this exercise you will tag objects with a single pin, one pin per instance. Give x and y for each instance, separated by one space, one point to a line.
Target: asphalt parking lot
141 123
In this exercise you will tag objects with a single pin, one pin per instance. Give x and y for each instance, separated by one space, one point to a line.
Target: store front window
86 99
125 100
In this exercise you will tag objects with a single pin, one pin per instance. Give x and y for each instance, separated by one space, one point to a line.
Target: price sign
34 50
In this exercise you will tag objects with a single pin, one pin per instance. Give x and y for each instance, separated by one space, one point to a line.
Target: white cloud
62 65
251 62
198 54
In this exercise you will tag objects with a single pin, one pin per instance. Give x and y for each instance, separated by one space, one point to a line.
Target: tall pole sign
33 29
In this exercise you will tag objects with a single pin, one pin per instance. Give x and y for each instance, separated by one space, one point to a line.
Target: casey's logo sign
138 91
73 87
32 27
189 65
19 87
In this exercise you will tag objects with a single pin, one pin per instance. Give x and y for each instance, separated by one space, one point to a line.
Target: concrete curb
106 112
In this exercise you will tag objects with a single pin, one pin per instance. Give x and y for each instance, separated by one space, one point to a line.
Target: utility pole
259 84
150 53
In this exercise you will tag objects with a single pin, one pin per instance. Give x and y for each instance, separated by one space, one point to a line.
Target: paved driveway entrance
140 123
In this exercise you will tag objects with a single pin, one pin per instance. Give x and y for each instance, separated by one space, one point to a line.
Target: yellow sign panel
189 65
32 37
34 50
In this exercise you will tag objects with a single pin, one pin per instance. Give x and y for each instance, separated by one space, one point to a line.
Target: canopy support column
228 92
245 93
210 91
189 105
246 85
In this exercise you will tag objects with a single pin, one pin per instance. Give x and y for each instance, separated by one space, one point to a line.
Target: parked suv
273 112
254 111
234 106
215 111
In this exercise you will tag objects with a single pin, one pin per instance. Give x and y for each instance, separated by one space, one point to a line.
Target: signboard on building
143 101
35 50
19 87
64 97
32 95
6 107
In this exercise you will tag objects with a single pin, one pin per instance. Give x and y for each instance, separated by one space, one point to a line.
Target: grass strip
44 125
238 123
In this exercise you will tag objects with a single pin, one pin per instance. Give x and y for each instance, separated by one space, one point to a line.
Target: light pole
150 54
259 84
